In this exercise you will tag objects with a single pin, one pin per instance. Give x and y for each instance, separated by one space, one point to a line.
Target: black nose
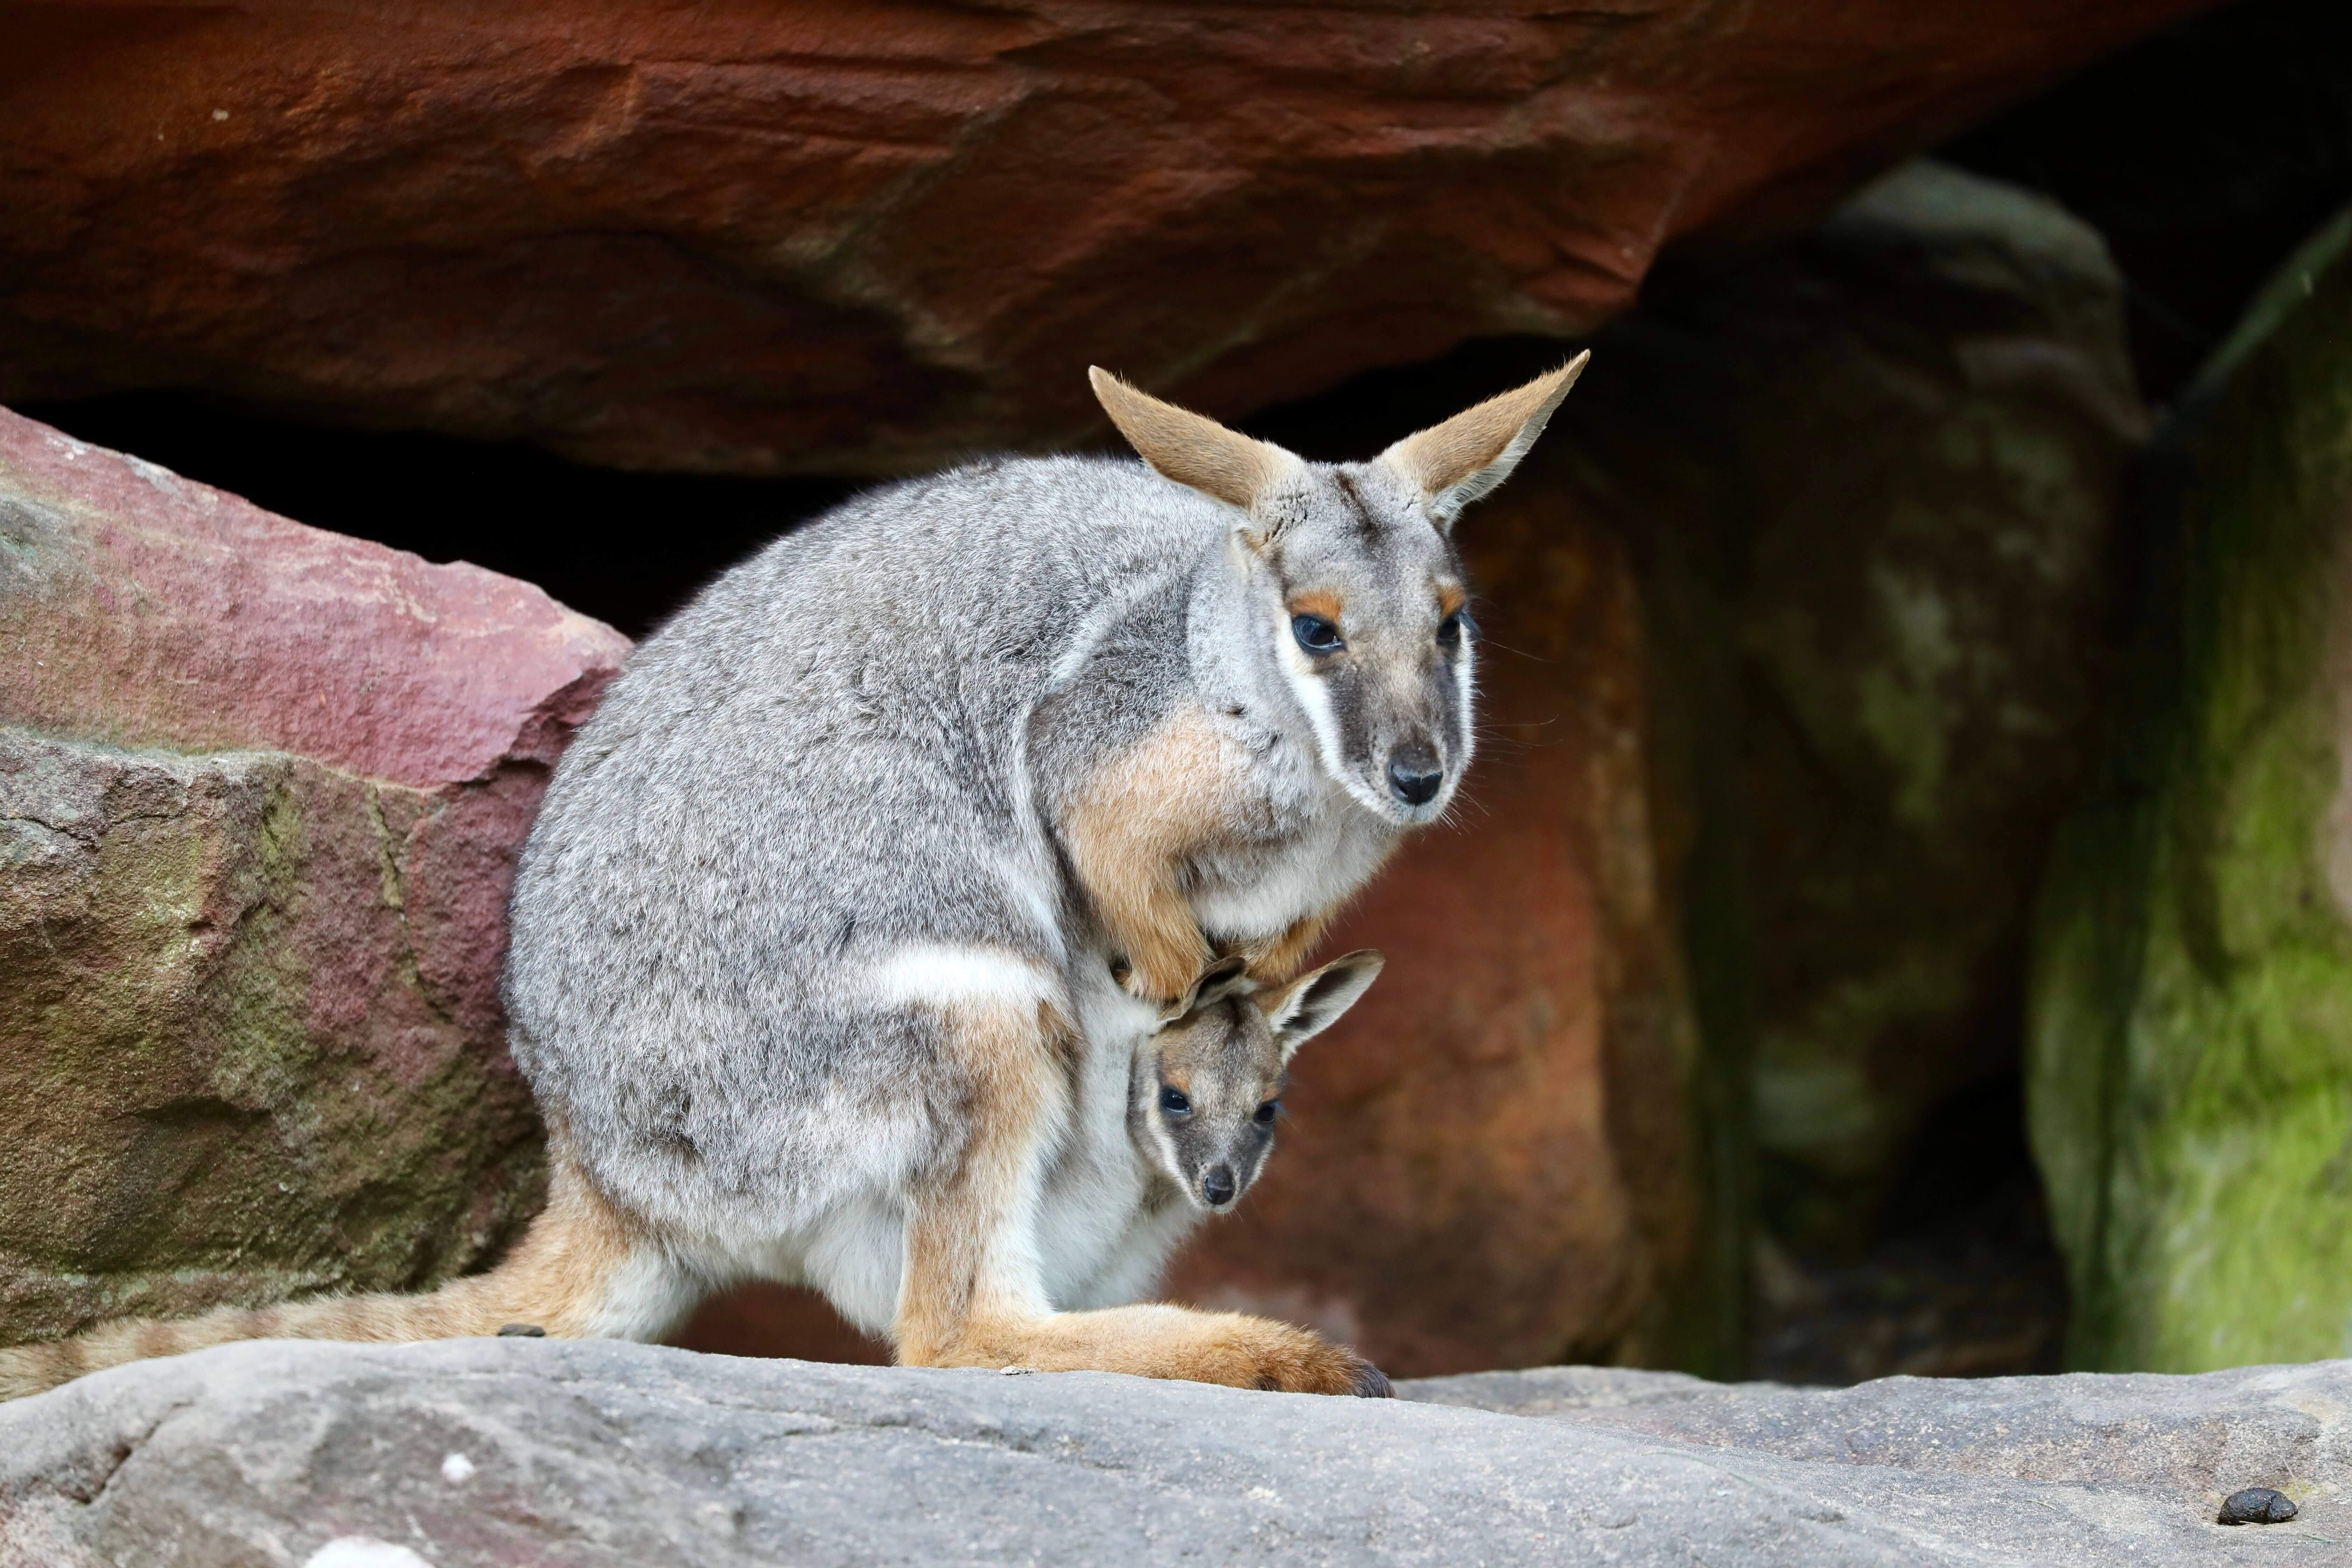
1217 1186
1414 773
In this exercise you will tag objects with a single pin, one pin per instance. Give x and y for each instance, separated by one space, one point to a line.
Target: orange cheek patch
1323 605
1450 599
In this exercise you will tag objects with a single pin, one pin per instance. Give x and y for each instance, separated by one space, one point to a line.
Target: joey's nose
1414 773
1217 1186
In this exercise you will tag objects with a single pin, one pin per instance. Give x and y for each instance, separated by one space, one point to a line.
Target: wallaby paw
1165 987
1340 1370
1161 965
1303 1363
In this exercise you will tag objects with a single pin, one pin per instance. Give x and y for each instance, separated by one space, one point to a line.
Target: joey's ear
1455 463
1192 448
1216 982
1313 1003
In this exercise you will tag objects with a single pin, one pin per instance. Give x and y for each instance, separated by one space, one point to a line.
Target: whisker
1512 736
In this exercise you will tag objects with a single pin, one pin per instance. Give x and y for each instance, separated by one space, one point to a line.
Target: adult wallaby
810 943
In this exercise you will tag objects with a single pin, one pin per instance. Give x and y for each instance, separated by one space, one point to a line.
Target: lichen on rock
1870 480
261 788
226 1078
1934 470
2190 1046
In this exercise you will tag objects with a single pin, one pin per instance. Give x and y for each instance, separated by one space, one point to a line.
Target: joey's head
1357 595
1207 1087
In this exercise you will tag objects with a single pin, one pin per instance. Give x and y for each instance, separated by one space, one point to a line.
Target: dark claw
2257 1505
1372 1383
522 1332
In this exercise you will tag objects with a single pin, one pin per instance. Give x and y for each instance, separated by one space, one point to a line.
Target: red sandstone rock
166 612
262 789
853 236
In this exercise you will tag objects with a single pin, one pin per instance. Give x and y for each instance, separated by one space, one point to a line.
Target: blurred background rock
1913 520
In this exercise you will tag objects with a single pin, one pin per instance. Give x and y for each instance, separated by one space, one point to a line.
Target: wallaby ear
1216 982
1455 463
1192 448
1314 1001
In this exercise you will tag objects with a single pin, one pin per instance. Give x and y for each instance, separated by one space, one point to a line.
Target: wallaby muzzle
1415 773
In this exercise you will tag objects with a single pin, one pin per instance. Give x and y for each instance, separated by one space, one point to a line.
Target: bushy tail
580 1273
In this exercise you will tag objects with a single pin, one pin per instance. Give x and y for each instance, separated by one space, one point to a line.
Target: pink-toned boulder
844 236
262 789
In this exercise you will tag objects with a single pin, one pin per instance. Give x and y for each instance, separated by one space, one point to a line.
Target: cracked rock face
836 237
501 1451
261 792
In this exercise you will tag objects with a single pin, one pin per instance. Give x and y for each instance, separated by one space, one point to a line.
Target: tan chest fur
1201 823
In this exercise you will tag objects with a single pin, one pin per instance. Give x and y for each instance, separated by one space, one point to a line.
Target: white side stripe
940 973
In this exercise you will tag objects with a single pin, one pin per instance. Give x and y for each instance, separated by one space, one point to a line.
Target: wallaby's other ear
1192 448
1313 1003
1455 463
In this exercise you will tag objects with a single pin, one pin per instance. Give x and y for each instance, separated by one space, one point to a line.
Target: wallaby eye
1315 635
1173 1103
1450 629
1267 1112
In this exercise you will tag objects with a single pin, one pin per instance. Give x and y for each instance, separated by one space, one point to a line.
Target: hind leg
970 1293
585 1270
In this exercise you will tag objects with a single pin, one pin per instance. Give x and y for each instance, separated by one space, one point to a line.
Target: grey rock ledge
515 1450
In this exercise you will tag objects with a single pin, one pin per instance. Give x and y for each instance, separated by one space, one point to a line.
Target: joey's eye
1450 629
1173 1103
1315 635
1267 1112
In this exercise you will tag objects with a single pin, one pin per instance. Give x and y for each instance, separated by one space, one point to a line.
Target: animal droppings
2257 1505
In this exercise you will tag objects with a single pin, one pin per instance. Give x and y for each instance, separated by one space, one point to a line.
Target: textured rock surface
480 1452
1923 648
261 792
1923 641
2194 1438
1886 462
2191 1025
840 236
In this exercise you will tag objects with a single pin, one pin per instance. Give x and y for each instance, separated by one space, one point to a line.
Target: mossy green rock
1923 618
2190 1051
1872 480
222 1077
262 789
